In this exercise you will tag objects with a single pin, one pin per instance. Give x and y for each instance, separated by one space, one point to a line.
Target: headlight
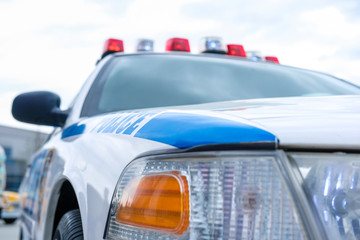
333 185
212 195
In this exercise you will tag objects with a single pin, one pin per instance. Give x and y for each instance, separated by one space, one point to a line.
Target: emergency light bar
272 59
208 45
236 50
178 44
112 45
145 45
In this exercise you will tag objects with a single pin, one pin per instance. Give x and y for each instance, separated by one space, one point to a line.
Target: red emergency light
112 45
272 59
178 44
236 50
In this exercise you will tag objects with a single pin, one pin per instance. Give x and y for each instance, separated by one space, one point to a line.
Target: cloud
351 53
352 8
276 20
114 7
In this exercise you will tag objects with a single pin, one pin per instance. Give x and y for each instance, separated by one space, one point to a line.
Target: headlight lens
334 188
222 195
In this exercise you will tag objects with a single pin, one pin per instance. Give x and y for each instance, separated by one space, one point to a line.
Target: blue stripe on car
75 129
178 129
188 130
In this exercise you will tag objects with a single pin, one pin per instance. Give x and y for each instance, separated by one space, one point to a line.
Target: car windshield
159 80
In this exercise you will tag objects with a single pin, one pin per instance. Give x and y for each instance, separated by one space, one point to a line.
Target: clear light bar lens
212 44
231 196
254 56
334 186
145 45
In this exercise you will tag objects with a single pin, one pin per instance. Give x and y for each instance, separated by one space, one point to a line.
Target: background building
19 145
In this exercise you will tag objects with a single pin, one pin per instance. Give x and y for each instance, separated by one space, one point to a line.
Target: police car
195 146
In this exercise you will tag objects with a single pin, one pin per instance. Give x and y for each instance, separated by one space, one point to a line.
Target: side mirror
39 108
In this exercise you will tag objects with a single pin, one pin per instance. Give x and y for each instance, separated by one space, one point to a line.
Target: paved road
9 231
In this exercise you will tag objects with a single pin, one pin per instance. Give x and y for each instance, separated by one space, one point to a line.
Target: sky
53 45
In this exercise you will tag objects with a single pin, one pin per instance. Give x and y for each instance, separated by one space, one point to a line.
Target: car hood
304 122
293 123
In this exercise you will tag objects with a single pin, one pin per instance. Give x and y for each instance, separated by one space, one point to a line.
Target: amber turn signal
156 201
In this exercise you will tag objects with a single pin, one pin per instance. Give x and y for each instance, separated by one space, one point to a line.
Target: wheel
69 227
9 220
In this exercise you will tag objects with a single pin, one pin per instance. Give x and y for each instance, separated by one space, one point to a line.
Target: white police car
182 146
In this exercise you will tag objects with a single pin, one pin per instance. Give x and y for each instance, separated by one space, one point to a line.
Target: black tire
9 220
69 227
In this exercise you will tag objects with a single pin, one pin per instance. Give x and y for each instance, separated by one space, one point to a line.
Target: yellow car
11 210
